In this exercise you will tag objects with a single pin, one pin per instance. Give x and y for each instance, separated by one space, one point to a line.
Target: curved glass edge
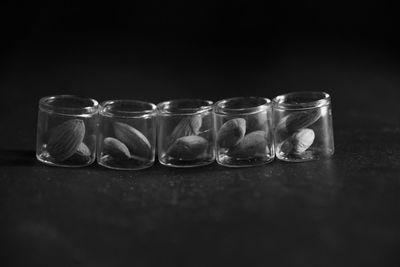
127 114
324 100
221 110
163 107
86 110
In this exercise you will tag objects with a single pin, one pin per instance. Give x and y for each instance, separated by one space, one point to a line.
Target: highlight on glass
186 133
244 131
303 126
127 134
66 131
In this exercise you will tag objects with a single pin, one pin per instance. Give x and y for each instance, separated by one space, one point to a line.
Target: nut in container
244 131
303 126
186 133
66 131
127 134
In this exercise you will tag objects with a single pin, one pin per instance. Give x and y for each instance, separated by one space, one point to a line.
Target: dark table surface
344 211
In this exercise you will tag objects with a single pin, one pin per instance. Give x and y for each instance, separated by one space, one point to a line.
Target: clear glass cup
127 134
244 131
303 126
186 134
66 131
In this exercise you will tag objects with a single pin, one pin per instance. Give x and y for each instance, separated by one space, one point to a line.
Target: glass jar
185 133
303 126
127 134
244 132
66 131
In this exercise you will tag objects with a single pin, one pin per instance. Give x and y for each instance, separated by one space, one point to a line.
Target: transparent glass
186 134
127 134
303 126
66 131
244 132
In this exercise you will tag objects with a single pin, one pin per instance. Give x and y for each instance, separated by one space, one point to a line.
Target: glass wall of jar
186 134
303 126
127 134
66 131
244 131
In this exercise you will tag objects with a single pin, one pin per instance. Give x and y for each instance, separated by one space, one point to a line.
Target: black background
339 212
154 51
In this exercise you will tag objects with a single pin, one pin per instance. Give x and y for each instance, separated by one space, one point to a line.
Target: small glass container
244 131
303 126
127 134
185 133
66 131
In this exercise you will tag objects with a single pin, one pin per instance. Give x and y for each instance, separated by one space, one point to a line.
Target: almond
186 126
297 120
256 122
207 127
253 144
115 148
82 154
299 142
136 142
188 147
83 150
65 139
231 133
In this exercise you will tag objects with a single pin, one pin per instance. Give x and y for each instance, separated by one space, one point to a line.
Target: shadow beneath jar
17 157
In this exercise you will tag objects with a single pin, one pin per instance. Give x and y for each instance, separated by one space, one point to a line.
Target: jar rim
260 104
87 106
301 100
184 106
145 109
